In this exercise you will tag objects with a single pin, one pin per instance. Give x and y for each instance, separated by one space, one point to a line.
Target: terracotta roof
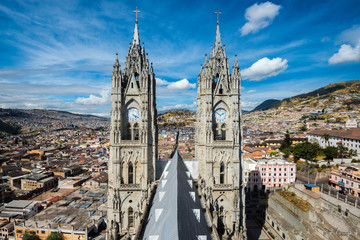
353 133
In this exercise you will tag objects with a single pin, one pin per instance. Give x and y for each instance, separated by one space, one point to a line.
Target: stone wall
291 207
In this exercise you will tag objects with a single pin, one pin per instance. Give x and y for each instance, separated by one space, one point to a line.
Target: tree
287 152
287 142
346 152
326 137
352 153
273 154
30 236
303 128
306 150
331 152
55 236
342 150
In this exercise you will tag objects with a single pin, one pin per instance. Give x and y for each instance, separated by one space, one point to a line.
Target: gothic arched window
221 90
220 132
223 131
136 76
128 131
130 173
130 217
221 210
136 131
222 173
137 172
221 221
122 171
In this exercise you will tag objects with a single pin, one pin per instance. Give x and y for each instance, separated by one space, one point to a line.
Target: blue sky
59 54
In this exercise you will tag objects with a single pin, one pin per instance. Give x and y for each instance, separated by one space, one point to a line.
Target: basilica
178 205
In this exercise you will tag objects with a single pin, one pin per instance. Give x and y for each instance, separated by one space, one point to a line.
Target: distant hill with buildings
8 128
335 106
348 92
267 104
46 114
12 120
177 118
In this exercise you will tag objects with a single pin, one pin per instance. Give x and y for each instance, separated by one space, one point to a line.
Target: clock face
220 115
133 114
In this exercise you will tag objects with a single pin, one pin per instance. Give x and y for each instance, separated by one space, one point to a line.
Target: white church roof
176 211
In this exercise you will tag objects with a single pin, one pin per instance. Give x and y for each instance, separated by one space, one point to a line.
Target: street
325 185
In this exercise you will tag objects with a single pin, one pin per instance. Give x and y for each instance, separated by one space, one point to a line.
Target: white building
21 207
349 138
351 123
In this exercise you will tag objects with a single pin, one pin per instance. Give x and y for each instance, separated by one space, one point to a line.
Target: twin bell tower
133 143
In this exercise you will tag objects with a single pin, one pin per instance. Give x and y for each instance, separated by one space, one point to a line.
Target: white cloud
183 84
346 54
265 68
251 91
179 106
249 105
95 100
160 82
259 16
351 35
43 102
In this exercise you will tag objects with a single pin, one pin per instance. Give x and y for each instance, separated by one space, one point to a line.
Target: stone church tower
218 141
133 141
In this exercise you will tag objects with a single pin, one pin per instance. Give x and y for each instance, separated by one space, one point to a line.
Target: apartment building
45 181
346 179
264 174
349 138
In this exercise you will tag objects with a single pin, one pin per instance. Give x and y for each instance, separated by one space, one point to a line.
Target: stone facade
133 142
218 134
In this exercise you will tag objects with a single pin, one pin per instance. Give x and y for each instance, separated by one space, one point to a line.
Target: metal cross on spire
217 15
136 13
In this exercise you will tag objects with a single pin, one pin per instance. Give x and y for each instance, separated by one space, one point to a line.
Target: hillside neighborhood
60 161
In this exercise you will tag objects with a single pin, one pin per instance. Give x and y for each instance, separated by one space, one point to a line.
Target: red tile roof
353 133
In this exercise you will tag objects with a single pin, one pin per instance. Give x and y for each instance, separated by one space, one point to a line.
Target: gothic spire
117 59
136 38
117 64
217 36
236 64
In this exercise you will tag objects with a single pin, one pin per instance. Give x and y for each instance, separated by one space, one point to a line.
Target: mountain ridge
46 113
323 92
